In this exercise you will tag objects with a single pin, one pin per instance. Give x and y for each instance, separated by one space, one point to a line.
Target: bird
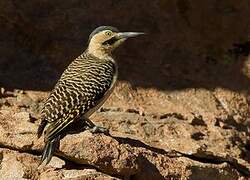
82 88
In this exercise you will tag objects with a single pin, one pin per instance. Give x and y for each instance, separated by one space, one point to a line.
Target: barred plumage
82 88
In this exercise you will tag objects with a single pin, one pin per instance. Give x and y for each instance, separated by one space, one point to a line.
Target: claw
98 129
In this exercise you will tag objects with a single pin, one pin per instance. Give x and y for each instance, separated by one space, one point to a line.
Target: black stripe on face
110 41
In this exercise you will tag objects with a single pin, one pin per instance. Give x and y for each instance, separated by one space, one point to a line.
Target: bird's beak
125 35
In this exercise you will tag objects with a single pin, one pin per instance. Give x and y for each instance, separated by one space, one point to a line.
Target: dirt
179 111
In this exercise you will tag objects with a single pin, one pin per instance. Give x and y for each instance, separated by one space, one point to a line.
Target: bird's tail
49 149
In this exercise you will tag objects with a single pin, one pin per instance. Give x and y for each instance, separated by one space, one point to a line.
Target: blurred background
188 43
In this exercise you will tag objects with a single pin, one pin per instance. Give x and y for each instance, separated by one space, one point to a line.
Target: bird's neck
99 52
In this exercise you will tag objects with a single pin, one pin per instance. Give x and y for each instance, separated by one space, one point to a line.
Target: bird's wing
72 99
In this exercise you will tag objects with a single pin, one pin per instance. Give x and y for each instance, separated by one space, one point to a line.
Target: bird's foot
98 129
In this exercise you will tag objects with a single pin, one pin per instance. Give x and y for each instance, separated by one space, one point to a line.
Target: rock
208 142
17 131
22 116
222 171
57 162
77 173
16 165
127 157
111 159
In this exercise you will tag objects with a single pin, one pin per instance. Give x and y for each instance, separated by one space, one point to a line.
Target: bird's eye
108 33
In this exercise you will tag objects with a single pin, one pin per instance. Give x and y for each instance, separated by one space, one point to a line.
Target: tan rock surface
124 156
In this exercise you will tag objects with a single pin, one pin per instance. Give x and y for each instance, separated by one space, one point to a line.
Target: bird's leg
96 129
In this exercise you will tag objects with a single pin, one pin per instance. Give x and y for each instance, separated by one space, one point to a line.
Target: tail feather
57 127
49 149
41 128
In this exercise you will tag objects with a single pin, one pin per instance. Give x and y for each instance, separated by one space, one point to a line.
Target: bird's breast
108 91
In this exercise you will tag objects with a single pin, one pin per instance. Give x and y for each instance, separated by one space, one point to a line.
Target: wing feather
77 95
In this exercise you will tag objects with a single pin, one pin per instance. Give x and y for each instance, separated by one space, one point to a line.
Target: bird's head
104 39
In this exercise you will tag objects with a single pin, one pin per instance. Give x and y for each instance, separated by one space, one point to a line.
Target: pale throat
98 51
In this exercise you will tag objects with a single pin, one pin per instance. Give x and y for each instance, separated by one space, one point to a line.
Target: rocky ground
189 134
181 109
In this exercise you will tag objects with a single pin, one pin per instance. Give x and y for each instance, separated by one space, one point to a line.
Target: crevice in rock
70 163
198 121
1 158
173 115
116 109
109 109
208 159
212 159
29 151
138 143
73 163
197 136
141 113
